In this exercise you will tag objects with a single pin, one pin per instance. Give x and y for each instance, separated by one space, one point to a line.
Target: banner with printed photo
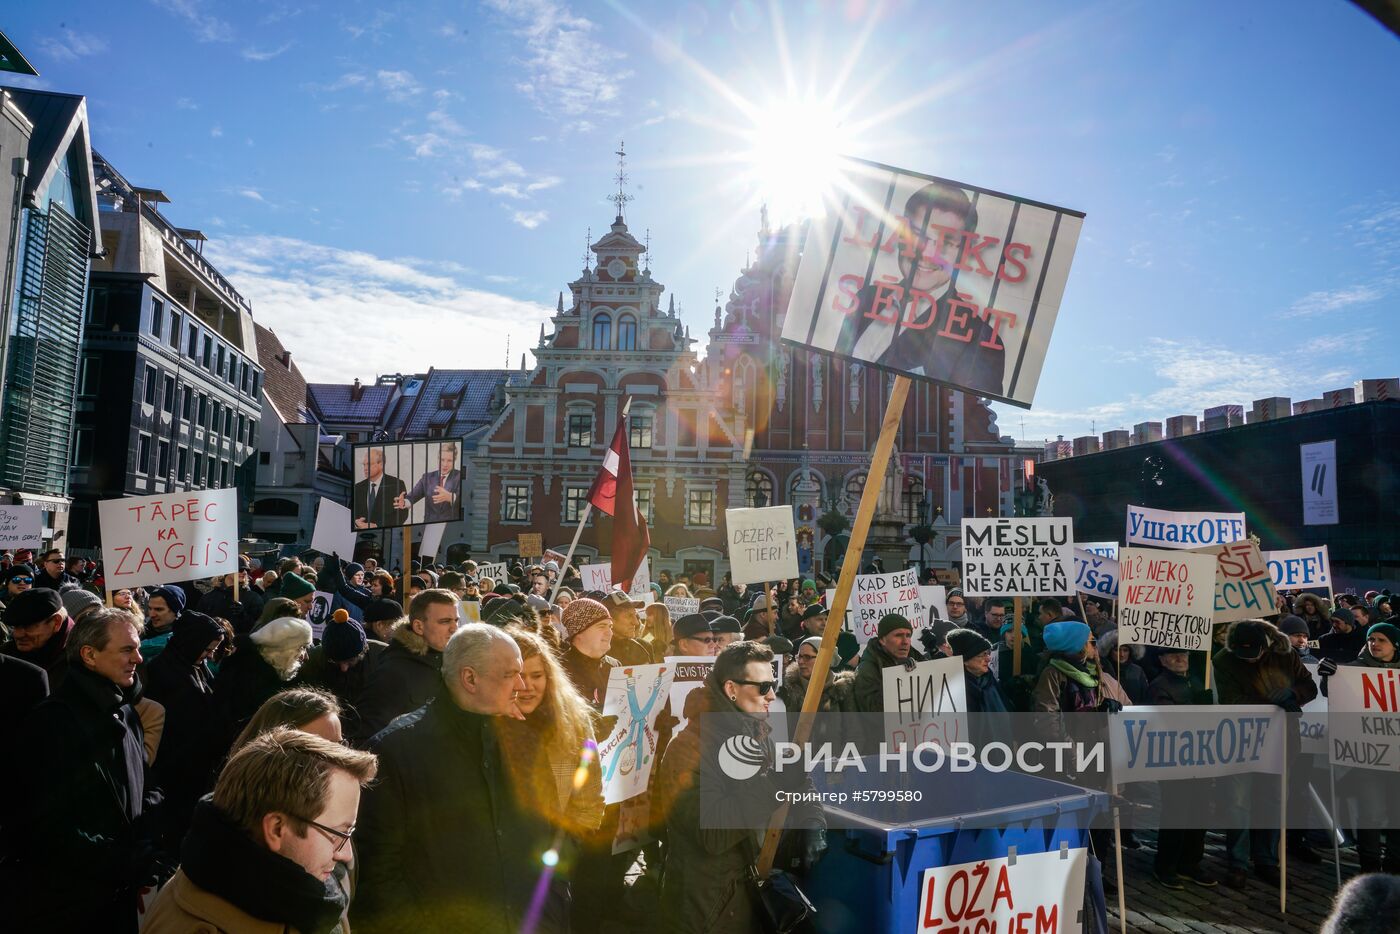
1243 587
926 704
154 540
1165 598
1024 892
1162 528
1319 482
1363 718
1018 557
1095 575
762 544
936 279
1300 568
320 613
408 483
1149 744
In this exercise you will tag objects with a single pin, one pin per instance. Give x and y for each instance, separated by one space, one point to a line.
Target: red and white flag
613 486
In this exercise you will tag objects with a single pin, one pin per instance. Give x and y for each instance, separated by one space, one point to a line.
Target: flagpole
569 558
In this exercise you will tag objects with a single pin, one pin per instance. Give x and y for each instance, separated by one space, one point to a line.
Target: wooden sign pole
869 499
407 562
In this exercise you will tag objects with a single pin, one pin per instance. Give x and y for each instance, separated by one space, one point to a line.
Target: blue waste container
869 880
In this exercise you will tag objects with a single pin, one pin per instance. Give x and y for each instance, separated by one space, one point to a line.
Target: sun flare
794 157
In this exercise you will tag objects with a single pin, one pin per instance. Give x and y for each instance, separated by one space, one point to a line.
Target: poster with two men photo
409 483
936 279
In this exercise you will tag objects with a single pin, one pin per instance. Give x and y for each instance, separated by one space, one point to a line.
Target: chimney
357 391
285 358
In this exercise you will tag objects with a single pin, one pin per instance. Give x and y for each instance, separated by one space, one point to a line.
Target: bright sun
794 157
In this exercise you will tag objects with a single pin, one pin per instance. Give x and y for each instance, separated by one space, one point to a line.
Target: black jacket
22 687
408 676
1180 690
245 681
1342 648
349 687
870 677
589 675
44 580
51 655
84 845
243 614
442 767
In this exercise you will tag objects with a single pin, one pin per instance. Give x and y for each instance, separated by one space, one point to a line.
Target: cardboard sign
468 611
762 544
1102 549
1018 557
636 696
1243 587
333 534
1095 574
936 279
1160 528
681 606
169 537
1300 568
21 526
1312 724
531 544
690 673
1030 892
875 595
1319 482
926 705
320 613
1166 743
1166 598
1363 718
598 576
931 606
431 544
497 572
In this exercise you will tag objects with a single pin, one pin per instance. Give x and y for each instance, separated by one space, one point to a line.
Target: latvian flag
612 486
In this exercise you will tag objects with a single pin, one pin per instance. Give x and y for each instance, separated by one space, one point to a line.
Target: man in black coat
242 613
22 686
375 495
40 628
450 838
51 573
83 847
410 669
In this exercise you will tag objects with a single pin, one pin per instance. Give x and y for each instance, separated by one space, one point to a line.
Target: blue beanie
352 569
174 598
1067 637
343 638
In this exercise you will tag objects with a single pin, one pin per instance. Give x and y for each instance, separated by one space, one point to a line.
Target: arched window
914 505
626 332
855 485
758 490
602 332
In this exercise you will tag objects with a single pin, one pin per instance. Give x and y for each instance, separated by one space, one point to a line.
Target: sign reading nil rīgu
1160 528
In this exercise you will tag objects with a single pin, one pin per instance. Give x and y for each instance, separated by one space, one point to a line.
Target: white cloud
568 72
346 313
1325 302
184 103
216 131
254 54
207 27
252 194
529 219
398 85
72 45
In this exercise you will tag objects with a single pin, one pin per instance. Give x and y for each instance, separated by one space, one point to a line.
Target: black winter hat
377 611
32 606
967 643
1249 638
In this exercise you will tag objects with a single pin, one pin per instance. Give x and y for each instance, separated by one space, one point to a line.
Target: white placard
875 595
1363 718
1319 482
497 572
1177 741
1102 549
1161 528
598 576
21 526
636 695
333 533
681 606
690 673
1034 892
1312 725
1165 598
762 544
926 704
320 612
1300 568
1243 587
169 537
1018 557
1095 575
432 539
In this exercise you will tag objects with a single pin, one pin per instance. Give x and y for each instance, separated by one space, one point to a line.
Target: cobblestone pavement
1153 909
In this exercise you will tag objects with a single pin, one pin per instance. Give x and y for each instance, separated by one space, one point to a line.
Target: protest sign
926 704
333 534
633 824
530 544
681 606
1319 482
21 526
1024 892
1017 557
875 595
497 572
762 544
690 673
1160 528
1102 549
949 282
408 483
1363 718
1243 587
1149 744
635 695
598 576
1166 598
935 600
1095 574
432 540
169 537
320 613
468 611
1300 568
1312 725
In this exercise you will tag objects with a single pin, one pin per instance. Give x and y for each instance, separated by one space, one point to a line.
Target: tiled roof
334 403
285 388
468 395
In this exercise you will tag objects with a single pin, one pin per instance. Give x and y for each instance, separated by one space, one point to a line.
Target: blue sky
409 184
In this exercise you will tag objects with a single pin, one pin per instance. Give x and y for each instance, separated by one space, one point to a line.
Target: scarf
219 857
1084 677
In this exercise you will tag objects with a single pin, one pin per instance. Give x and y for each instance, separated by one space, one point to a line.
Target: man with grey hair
83 746
450 837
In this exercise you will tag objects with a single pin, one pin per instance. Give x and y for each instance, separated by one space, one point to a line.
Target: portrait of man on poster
442 488
376 494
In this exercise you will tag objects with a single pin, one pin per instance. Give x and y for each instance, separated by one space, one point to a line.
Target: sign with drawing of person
936 279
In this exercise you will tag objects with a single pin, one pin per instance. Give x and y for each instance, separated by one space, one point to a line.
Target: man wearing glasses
51 573
286 794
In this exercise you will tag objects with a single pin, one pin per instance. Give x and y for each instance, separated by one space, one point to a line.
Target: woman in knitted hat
266 660
344 663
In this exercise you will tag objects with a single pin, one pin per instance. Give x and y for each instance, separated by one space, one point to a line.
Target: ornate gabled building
613 341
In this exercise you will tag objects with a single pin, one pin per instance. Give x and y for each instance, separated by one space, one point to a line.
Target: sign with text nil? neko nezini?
1018 557
1161 528
934 279
21 526
762 544
1165 598
169 537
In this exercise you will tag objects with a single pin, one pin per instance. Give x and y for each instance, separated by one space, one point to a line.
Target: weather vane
587 249
647 258
622 197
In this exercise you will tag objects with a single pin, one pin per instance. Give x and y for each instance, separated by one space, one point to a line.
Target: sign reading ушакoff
1018 557
1161 528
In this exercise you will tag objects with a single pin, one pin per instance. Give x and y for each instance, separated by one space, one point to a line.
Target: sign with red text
1363 718
875 595
1030 892
1018 557
936 279
762 544
169 537
1243 587
1165 598
1300 568
926 704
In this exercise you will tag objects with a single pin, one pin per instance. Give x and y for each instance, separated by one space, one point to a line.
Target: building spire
622 197
763 230
647 258
561 303
587 249
672 310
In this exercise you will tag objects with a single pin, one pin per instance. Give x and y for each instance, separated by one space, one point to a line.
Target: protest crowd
205 762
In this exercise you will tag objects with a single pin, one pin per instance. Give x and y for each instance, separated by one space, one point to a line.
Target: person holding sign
442 488
376 495
893 645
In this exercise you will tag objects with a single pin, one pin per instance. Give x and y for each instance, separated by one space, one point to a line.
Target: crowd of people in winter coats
225 756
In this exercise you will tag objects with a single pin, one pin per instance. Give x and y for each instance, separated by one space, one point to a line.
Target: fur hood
405 636
838 690
1108 642
1277 641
